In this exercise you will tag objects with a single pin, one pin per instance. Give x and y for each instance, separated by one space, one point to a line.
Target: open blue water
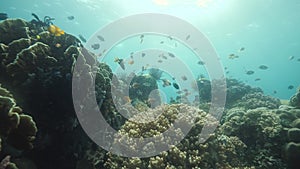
268 30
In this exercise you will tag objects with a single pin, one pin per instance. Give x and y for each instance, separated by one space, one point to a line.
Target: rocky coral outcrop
235 90
16 128
256 100
261 130
220 151
290 120
37 66
295 100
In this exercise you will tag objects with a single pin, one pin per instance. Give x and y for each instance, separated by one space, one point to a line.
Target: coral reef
235 90
295 100
290 120
141 87
16 128
261 131
37 66
256 100
220 151
254 126
13 29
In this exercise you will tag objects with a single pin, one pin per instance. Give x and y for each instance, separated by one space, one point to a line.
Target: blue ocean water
268 30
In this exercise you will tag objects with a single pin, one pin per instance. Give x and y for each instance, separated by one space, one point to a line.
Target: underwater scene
149 84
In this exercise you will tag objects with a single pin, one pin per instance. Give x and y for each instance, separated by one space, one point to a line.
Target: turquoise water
268 30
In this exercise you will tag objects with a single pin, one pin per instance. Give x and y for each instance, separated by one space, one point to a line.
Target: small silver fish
100 38
187 37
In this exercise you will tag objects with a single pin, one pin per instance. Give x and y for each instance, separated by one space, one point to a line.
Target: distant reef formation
39 127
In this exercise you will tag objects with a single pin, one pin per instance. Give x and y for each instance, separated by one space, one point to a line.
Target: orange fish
127 99
58 45
55 30
131 62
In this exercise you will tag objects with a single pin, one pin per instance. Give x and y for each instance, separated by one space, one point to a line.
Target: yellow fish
56 31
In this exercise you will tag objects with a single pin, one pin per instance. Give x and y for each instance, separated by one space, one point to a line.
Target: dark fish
96 46
171 55
170 37
82 38
142 38
274 91
290 87
242 49
263 67
175 85
159 61
249 72
162 42
201 62
3 16
298 60
71 18
120 62
143 54
188 37
257 79
131 55
184 78
100 38
164 57
291 57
